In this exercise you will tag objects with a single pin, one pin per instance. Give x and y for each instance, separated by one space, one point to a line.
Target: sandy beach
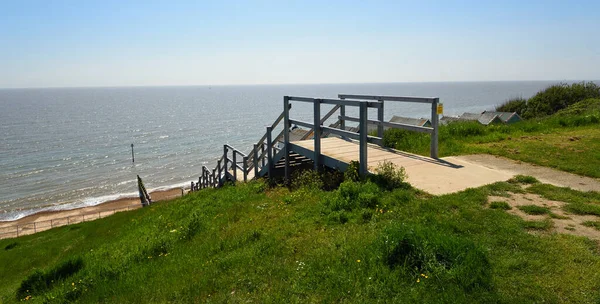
49 219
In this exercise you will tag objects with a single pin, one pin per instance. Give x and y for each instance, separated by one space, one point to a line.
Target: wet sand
48 219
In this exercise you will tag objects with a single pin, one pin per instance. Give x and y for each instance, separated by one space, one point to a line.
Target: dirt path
543 174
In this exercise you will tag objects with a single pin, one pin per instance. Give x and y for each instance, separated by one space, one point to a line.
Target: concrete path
450 174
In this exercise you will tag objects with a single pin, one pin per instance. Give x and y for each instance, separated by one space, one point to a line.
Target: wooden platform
435 176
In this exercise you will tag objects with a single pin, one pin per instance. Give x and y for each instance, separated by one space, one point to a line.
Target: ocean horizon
65 148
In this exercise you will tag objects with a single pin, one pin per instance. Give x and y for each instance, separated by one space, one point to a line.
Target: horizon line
291 84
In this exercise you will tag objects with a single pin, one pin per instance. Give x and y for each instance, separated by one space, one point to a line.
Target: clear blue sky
123 43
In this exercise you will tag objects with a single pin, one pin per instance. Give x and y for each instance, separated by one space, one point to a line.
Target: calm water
67 148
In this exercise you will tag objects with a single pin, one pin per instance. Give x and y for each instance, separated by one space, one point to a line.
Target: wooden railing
261 157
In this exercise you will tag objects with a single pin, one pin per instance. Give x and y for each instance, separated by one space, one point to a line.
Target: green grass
534 210
538 225
251 243
500 205
593 224
556 141
523 179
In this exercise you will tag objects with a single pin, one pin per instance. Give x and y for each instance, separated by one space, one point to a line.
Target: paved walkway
450 174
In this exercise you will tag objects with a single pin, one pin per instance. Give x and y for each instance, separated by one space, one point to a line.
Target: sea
65 148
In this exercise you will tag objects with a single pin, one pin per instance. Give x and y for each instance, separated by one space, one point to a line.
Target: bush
389 176
419 250
352 195
518 105
559 96
351 173
523 179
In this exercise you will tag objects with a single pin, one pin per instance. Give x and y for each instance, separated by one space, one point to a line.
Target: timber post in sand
132 157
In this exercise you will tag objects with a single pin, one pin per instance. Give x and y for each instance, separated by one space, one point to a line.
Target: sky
145 43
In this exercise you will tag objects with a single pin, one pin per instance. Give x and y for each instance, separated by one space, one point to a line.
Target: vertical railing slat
317 133
363 140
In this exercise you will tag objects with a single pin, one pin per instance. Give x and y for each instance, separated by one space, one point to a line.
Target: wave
13 215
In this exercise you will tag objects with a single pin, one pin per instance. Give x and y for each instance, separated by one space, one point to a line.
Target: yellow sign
440 109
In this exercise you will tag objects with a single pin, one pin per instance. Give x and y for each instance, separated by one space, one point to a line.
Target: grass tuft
523 179
534 209
593 224
538 225
500 205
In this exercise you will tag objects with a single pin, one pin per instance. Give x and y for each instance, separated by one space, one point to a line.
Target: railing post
380 119
214 180
225 162
286 136
235 166
245 168
262 152
317 133
219 171
269 152
363 140
435 125
17 230
34 229
255 158
343 114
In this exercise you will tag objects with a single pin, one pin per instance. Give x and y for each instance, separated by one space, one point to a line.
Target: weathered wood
363 140
234 167
255 160
380 119
269 152
435 125
301 123
389 98
219 182
286 137
225 162
323 120
245 167
392 125
317 133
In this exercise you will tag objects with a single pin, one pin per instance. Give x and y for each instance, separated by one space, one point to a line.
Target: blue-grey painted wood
286 136
389 98
219 183
362 169
329 114
344 133
225 161
301 123
342 113
435 125
391 124
317 133
269 152
255 160
380 118
245 167
234 167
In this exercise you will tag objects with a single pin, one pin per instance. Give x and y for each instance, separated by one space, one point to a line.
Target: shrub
420 250
389 176
559 96
10 246
351 173
310 179
352 195
518 105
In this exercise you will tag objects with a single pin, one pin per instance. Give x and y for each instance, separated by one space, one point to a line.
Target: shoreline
45 220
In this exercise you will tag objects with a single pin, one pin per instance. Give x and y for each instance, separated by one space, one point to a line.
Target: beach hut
421 122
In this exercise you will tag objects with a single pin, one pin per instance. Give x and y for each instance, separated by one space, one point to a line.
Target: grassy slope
244 243
560 141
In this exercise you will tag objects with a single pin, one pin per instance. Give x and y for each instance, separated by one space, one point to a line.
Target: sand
49 219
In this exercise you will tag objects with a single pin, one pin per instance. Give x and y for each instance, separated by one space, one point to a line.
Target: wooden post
219 175
317 133
255 158
214 178
269 152
343 114
235 166
225 162
380 119
363 140
199 184
435 125
34 228
286 136
132 157
17 230
68 220
51 224
245 167
262 152
192 187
